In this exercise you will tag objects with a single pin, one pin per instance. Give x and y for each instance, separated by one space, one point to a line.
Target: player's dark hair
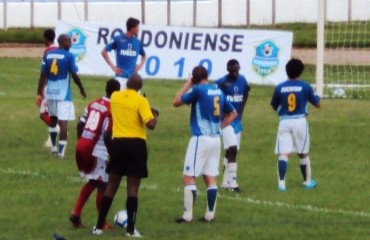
131 23
294 68
199 73
231 63
112 86
49 34
134 82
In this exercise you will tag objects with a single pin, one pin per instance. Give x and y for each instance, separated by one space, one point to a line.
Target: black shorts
128 158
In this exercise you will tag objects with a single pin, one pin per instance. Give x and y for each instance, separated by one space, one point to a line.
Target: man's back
130 111
291 97
208 103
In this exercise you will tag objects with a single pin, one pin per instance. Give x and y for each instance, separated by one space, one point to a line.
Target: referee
128 152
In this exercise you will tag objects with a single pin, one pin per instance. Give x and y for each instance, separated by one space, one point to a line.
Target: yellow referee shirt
130 112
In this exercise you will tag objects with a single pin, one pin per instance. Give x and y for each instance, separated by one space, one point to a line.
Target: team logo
78 39
266 60
236 89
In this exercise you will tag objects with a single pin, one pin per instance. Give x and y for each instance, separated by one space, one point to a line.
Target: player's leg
230 165
110 191
65 114
53 131
84 195
190 171
302 143
210 171
284 145
132 202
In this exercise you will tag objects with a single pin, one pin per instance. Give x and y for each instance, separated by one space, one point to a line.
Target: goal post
320 48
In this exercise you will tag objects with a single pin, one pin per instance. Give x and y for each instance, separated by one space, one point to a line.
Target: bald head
64 41
134 82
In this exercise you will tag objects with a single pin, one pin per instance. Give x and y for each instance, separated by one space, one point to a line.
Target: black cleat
235 189
182 220
76 221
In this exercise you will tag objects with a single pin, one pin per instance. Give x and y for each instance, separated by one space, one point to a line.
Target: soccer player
236 89
91 153
49 37
128 47
57 66
290 101
131 113
204 149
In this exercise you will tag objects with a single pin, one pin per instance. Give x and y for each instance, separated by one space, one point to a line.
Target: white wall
234 12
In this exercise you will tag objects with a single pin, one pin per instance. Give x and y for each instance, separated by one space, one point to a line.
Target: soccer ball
339 92
120 218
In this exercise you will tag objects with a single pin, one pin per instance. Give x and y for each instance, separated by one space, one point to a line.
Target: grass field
38 192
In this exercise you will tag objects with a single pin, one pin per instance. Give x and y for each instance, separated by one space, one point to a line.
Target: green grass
38 192
304 34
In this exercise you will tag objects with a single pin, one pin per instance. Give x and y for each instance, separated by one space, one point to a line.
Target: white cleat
97 231
135 234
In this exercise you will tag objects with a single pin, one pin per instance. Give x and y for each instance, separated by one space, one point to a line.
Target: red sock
85 193
45 117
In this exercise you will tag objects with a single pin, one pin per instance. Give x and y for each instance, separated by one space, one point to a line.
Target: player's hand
155 111
117 70
137 67
39 100
83 94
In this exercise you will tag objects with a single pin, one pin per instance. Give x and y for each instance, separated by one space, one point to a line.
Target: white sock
232 170
62 148
190 193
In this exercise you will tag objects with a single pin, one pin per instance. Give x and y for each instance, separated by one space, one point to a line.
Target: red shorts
86 162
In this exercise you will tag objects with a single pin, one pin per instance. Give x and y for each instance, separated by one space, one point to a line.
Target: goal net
346 58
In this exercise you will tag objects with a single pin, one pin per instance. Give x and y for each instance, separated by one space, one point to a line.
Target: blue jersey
207 105
127 52
291 97
57 66
235 91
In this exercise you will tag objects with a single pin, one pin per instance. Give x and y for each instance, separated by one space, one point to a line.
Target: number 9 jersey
291 97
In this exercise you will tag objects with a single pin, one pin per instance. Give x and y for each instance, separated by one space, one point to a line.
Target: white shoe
135 234
48 143
97 231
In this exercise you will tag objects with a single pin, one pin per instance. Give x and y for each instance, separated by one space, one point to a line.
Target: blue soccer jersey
207 105
57 66
235 91
291 97
127 52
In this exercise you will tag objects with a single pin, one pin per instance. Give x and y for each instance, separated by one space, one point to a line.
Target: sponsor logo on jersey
213 92
128 52
266 60
291 89
235 98
78 39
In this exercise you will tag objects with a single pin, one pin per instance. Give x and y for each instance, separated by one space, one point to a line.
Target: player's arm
107 138
106 57
177 101
228 118
80 129
313 98
275 100
245 99
78 82
40 88
141 64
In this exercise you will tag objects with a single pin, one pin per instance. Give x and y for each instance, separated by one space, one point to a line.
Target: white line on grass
154 187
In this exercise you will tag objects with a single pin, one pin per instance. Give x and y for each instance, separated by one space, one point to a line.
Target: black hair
49 34
294 68
199 73
112 86
231 63
131 23
134 82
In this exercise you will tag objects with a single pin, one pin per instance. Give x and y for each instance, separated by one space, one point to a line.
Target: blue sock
211 197
53 135
282 167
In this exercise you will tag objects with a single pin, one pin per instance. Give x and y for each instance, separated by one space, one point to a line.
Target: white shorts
293 136
122 81
99 172
202 156
230 138
63 110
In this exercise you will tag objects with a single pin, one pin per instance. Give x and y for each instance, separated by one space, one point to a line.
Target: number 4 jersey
291 97
96 119
57 66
